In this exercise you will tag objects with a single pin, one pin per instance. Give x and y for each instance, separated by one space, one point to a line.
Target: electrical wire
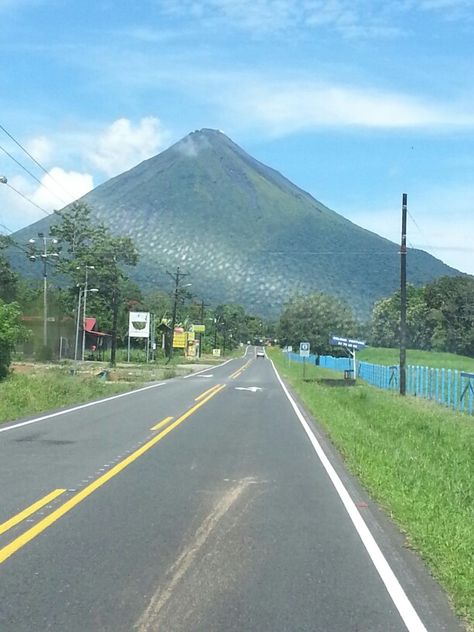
37 162
32 175
28 199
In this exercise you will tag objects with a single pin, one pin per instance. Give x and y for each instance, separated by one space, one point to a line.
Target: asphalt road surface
206 503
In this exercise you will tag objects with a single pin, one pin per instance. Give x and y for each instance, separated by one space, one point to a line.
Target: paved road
197 505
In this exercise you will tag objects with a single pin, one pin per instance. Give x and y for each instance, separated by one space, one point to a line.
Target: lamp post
87 268
78 318
44 255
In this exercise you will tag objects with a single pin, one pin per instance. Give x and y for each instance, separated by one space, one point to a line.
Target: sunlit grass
22 395
435 359
417 461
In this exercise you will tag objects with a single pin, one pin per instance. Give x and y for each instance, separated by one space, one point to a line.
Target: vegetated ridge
244 232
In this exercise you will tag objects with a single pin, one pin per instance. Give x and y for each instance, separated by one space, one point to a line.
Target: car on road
260 353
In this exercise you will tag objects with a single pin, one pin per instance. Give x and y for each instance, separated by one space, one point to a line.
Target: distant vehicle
260 353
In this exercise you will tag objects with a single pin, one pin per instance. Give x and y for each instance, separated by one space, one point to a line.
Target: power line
36 162
28 199
31 174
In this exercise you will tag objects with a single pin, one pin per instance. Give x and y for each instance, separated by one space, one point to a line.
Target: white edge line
396 592
80 407
209 368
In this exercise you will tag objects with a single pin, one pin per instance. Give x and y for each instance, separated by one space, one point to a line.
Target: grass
416 460
34 388
26 394
435 359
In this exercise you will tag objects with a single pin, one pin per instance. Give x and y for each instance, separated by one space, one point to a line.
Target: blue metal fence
449 387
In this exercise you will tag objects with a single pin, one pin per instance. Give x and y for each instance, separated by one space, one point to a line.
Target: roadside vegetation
43 390
415 459
435 359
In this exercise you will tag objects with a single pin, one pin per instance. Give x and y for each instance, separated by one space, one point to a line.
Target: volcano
243 232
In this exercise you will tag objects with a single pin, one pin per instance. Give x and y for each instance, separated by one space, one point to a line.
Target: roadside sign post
350 346
304 353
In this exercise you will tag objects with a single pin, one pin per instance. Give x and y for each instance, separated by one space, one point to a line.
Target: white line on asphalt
72 410
185 377
396 592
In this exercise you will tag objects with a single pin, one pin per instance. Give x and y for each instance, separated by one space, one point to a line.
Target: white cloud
41 148
350 19
62 187
123 145
285 107
82 153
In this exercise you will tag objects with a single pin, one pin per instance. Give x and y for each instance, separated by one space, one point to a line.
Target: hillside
244 232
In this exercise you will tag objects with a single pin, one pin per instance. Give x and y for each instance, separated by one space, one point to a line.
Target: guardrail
449 387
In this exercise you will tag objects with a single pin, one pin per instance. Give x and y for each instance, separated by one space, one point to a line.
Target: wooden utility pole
176 278
403 297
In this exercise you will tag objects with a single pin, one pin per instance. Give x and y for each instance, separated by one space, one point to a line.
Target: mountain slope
244 232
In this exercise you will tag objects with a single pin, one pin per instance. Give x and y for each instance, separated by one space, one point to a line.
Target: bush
11 332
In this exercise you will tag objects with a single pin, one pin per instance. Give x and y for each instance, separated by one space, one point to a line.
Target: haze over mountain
243 231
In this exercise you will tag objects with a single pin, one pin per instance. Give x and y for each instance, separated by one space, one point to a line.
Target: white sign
304 349
139 324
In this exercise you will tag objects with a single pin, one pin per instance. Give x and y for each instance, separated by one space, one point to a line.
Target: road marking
5 526
185 377
162 423
388 577
209 390
81 407
14 546
240 370
253 389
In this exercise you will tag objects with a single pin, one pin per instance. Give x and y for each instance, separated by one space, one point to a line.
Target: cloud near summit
122 145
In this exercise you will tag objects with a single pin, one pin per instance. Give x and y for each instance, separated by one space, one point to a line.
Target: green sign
199 329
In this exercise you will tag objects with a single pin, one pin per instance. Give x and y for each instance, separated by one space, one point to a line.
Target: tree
11 333
385 329
8 279
450 305
90 246
314 318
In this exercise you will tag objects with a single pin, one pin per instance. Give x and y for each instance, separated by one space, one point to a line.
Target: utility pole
87 268
403 297
177 279
44 255
203 305
113 350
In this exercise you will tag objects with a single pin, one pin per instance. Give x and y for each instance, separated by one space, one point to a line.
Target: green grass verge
382 355
415 458
23 395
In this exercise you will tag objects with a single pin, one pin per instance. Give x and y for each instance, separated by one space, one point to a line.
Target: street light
78 317
3 180
87 268
44 255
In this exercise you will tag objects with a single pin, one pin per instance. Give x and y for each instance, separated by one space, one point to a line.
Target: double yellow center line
19 542
237 373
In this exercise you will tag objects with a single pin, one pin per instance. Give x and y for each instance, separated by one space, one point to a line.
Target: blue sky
354 101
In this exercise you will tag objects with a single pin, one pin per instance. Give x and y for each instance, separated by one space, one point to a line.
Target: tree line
440 317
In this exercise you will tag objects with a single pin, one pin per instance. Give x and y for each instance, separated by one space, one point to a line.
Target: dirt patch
335 382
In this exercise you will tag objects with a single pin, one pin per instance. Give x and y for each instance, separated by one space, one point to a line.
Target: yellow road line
5 526
239 371
162 423
14 546
209 390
